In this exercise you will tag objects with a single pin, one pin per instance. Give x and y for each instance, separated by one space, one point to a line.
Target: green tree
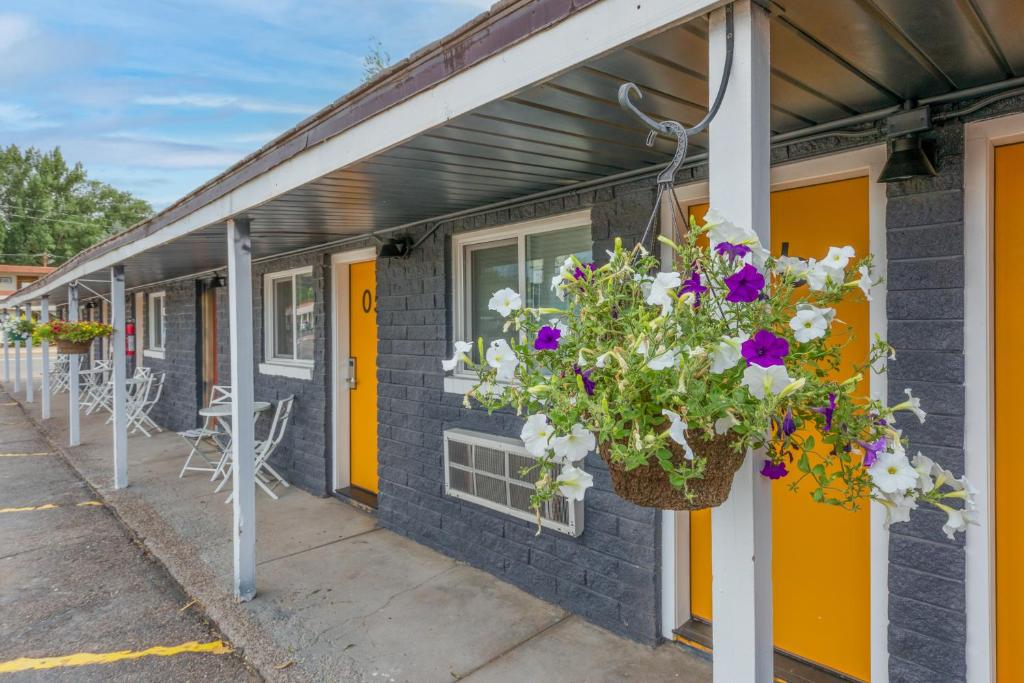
47 206
375 61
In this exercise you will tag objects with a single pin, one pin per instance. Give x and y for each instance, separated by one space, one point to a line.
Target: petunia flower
892 472
694 286
574 446
797 267
871 450
828 411
565 271
547 338
819 274
663 361
504 301
773 470
897 507
765 349
501 357
588 384
924 466
810 322
865 282
912 404
461 348
957 520
536 434
733 251
574 482
745 285
760 380
660 294
788 423
677 432
727 354
838 257
584 272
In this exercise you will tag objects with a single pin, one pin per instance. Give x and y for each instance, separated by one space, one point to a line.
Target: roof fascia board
589 33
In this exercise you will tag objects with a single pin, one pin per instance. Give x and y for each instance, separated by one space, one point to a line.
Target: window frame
462 247
152 350
270 357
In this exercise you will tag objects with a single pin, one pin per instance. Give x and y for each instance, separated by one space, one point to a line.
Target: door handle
351 379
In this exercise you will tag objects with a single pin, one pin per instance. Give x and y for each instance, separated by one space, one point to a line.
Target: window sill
282 370
159 354
458 385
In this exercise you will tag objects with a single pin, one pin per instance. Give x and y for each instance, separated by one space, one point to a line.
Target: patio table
222 411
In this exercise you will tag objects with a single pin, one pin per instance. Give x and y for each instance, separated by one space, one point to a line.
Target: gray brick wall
610 574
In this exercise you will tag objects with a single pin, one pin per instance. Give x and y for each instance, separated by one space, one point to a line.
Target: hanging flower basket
71 347
648 486
17 330
72 337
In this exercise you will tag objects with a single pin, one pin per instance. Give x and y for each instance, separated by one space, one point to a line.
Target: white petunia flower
565 272
504 301
892 472
713 217
662 293
602 360
957 520
724 424
575 445
663 361
760 381
810 322
797 267
536 434
461 349
677 432
925 467
865 282
912 404
838 257
574 482
897 507
501 357
819 274
727 354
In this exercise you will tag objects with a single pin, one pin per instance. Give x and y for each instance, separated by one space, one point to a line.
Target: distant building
13 277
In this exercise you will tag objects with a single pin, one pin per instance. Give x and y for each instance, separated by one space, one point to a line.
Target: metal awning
830 61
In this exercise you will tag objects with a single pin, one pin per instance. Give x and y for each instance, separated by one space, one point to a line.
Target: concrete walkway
340 599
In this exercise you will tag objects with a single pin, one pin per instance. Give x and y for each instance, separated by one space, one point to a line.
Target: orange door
1009 465
812 542
362 314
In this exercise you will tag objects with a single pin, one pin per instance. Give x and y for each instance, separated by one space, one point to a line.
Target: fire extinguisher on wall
129 333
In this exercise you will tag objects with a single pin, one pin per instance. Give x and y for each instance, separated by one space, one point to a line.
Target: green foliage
47 206
375 61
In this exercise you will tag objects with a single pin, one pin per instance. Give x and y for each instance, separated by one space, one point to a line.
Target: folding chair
143 394
212 432
267 477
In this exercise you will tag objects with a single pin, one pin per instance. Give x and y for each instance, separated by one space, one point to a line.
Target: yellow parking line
51 506
22 455
216 647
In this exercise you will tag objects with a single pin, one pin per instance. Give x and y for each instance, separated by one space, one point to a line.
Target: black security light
396 247
907 159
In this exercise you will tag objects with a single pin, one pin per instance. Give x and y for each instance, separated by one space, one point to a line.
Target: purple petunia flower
765 349
693 285
788 423
774 471
828 410
871 450
744 285
588 384
580 274
547 338
733 251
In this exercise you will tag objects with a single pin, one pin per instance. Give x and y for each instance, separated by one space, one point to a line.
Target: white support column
74 432
7 352
120 377
739 180
30 382
44 387
242 424
17 354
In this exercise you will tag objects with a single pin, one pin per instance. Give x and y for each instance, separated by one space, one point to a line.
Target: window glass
304 316
490 268
283 333
545 253
156 322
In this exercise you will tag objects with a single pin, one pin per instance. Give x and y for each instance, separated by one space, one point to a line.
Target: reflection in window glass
283 331
156 322
545 253
304 316
490 269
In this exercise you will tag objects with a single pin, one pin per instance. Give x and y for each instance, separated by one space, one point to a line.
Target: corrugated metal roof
830 60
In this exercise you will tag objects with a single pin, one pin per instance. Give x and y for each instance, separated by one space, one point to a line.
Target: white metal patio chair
211 433
93 386
59 370
267 477
143 394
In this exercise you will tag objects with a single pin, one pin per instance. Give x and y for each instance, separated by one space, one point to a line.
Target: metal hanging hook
673 129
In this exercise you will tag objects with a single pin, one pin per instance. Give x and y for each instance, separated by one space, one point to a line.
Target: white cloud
15 117
212 101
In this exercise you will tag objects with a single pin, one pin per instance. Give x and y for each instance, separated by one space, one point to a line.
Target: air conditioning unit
488 470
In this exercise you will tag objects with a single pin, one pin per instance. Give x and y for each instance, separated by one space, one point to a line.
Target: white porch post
7 352
30 382
17 354
739 179
74 434
242 427
44 387
120 377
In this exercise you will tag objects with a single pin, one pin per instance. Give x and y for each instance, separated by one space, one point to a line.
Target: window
524 257
289 317
157 314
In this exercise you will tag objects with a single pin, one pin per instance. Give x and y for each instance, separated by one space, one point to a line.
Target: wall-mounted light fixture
907 157
396 247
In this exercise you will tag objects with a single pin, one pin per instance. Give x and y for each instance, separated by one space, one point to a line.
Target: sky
158 96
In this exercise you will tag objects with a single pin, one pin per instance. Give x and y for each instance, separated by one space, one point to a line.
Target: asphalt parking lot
79 600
